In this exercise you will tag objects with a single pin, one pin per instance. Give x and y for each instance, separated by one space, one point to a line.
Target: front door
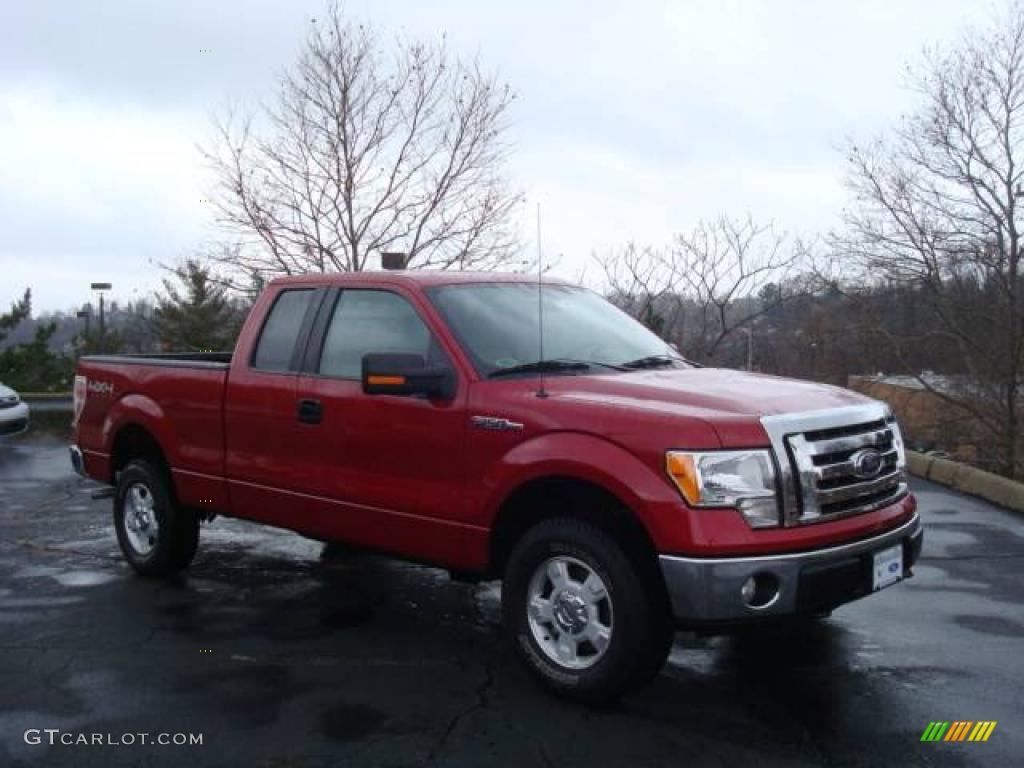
387 469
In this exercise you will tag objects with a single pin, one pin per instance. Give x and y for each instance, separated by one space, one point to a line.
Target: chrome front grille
837 462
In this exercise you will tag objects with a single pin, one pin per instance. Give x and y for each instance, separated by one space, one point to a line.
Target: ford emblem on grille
866 463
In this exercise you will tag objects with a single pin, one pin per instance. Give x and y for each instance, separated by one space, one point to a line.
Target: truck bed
176 398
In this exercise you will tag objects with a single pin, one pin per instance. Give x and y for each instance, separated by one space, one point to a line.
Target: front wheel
157 537
581 613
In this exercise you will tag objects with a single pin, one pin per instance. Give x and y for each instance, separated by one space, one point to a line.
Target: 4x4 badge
496 423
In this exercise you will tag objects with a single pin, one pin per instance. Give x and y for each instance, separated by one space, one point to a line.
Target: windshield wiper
612 366
541 366
651 361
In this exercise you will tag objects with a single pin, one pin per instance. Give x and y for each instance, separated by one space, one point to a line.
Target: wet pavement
282 655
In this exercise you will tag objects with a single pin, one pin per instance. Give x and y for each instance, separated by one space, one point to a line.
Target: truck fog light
760 590
748 589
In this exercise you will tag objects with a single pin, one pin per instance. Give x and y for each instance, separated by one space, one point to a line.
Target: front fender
599 461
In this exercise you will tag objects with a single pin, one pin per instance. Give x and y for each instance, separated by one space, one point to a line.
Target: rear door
388 469
262 441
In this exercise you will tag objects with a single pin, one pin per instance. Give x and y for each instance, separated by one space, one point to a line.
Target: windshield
497 326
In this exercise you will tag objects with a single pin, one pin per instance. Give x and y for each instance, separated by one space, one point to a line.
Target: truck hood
730 402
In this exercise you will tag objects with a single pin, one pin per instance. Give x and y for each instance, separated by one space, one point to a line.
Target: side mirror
399 374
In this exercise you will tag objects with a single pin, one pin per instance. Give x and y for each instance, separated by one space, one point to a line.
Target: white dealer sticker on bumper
888 567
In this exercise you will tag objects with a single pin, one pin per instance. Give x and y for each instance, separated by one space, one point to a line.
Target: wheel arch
562 495
136 425
618 488
134 441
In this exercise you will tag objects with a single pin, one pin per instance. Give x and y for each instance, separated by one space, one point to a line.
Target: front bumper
706 591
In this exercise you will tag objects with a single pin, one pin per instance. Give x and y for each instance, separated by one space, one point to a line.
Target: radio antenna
540 306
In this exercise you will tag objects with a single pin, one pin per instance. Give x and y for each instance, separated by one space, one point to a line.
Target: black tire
640 634
174 541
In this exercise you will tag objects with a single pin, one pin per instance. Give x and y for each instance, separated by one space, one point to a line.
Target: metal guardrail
48 401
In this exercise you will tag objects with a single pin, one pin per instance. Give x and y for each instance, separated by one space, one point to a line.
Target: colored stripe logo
958 730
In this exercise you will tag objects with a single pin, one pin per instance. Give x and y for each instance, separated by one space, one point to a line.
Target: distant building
928 419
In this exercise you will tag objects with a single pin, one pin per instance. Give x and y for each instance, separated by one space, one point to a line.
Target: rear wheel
581 612
157 537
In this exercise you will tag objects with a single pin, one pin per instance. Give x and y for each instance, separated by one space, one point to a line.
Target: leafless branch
365 151
936 208
691 291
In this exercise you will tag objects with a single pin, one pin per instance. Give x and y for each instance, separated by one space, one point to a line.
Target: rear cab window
276 348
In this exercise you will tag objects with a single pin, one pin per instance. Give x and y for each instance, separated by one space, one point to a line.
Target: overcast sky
634 119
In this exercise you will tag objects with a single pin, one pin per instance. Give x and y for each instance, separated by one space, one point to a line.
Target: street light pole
101 287
85 315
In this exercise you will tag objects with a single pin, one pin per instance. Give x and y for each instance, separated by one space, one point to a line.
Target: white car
13 412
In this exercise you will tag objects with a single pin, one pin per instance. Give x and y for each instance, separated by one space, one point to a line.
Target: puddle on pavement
38 602
489 593
36 572
65 577
990 625
21 485
84 578
948 540
488 602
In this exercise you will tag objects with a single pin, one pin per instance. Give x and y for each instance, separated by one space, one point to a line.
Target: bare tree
708 284
936 210
365 152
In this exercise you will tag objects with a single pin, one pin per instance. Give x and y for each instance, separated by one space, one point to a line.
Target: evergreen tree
95 343
196 316
20 309
32 366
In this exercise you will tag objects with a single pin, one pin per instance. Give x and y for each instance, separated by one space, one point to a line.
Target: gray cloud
634 119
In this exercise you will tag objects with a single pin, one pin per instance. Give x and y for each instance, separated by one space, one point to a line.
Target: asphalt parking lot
282 654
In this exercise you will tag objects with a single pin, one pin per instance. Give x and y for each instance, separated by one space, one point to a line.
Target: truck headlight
744 480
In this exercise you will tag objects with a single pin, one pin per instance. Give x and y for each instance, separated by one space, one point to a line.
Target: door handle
310 411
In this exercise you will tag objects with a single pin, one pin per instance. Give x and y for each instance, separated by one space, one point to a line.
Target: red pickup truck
619 491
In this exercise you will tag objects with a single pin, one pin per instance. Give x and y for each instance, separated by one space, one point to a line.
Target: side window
281 330
367 322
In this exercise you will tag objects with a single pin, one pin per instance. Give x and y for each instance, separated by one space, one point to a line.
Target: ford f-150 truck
618 490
